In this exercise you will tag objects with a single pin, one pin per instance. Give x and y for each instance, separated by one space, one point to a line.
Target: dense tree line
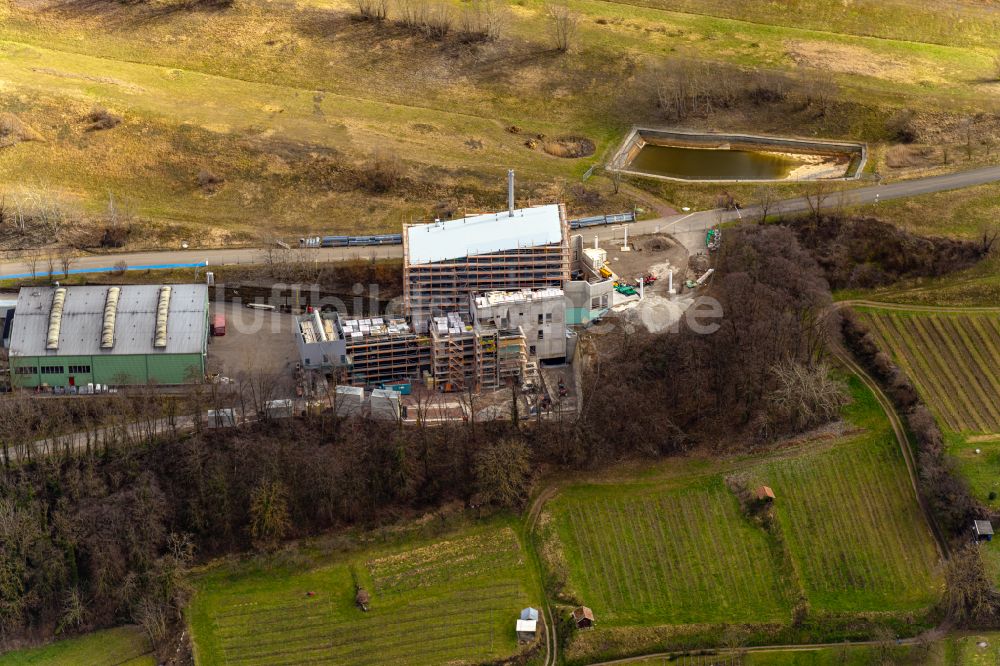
864 252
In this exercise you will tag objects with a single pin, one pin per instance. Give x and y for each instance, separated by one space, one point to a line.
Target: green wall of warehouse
117 369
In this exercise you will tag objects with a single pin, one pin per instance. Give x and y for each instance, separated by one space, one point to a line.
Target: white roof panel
526 625
483 234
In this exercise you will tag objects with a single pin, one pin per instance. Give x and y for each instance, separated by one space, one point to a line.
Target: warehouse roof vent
110 311
162 308
55 318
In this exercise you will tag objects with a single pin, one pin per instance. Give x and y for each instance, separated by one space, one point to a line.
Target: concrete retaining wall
640 136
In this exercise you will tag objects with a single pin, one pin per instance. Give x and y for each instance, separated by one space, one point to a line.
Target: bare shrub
562 25
805 396
970 600
373 10
207 180
381 173
685 88
902 126
412 13
484 20
503 471
440 20
101 119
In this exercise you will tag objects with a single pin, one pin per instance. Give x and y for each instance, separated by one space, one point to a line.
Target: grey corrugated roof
83 316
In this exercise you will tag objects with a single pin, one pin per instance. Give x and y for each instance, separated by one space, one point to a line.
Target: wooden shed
527 625
583 617
983 530
362 598
764 494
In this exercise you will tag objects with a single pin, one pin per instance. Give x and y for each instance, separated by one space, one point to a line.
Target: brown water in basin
702 164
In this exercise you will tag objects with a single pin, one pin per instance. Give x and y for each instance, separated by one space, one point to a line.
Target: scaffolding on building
433 287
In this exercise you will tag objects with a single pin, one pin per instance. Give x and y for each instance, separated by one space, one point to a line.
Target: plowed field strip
885 329
965 370
921 373
967 355
944 371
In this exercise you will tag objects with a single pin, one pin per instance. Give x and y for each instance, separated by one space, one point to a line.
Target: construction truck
713 239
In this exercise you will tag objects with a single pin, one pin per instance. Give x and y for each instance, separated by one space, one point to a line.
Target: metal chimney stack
510 192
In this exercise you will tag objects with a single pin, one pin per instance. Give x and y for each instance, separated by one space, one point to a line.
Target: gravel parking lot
254 340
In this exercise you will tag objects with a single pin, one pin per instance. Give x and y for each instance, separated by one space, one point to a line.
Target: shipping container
219 325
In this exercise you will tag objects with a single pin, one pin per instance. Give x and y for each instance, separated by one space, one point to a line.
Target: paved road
688 228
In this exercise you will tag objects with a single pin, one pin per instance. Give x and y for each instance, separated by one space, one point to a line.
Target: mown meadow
661 560
452 599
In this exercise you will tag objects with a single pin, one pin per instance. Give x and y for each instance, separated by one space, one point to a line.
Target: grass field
452 600
952 360
285 101
678 556
675 549
122 646
978 460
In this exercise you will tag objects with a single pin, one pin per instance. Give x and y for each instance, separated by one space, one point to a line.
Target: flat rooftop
483 234
492 298
356 330
454 323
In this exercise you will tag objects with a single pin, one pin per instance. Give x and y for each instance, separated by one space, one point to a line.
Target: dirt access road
689 228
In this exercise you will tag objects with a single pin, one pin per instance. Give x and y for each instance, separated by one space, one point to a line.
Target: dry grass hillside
221 123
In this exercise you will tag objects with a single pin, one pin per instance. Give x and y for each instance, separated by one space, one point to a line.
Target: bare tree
816 195
805 397
502 472
495 17
988 141
439 19
50 264
373 10
269 515
615 176
412 13
766 197
988 238
31 261
66 261
967 128
562 25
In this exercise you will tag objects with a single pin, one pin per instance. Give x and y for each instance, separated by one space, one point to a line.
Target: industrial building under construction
486 299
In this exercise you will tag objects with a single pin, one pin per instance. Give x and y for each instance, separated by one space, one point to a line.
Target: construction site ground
255 341
655 254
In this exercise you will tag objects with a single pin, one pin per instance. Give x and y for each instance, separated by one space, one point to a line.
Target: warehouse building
132 334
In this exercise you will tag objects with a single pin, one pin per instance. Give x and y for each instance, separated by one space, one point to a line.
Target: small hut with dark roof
983 529
362 599
583 617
